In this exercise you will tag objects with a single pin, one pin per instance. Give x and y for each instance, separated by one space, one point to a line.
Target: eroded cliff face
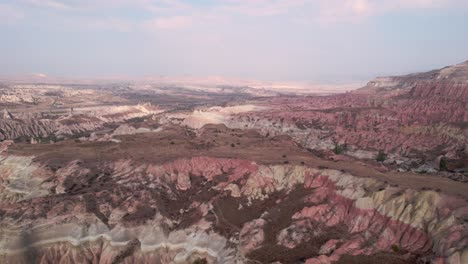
414 119
94 176
36 127
441 89
412 132
222 211
450 82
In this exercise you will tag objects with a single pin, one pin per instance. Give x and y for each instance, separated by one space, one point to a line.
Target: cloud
327 10
10 14
113 24
40 75
88 14
166 7
175 22
101 5
260 7
49 4
332 11
417 3
361 7
177 14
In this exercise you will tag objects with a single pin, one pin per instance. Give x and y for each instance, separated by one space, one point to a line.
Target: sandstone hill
449 82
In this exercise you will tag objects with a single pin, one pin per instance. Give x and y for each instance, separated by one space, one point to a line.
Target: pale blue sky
277 40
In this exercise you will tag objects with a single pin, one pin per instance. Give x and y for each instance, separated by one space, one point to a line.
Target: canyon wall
222 211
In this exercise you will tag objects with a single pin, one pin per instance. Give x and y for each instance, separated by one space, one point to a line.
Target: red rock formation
190 206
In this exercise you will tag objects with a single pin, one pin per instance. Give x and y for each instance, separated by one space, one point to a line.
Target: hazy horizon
315 41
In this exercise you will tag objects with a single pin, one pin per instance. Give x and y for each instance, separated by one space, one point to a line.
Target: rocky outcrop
83 121
220 210
44 128
216 115
409 131
12 129
6 114
261 182
450 82
441 89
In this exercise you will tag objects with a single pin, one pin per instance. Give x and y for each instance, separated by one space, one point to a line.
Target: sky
323 41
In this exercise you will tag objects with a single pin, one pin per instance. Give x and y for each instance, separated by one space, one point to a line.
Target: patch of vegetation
200 261
381 156
233 145
74 136
443 164
111 125
54 93
340 148
395 248
140 119
48 138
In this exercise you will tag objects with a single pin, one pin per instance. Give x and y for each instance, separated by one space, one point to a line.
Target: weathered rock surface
450 82
409 131
186 209
414 118
84 120
221 176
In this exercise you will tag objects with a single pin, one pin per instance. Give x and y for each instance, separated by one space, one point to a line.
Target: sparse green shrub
443 164
395 248
339 149
381 156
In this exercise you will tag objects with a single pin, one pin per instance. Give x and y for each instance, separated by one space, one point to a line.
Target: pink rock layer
267 213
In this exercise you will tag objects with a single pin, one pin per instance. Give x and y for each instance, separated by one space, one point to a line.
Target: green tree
339 149
381 156
443 164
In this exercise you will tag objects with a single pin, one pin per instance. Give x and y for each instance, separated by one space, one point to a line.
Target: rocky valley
145 172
